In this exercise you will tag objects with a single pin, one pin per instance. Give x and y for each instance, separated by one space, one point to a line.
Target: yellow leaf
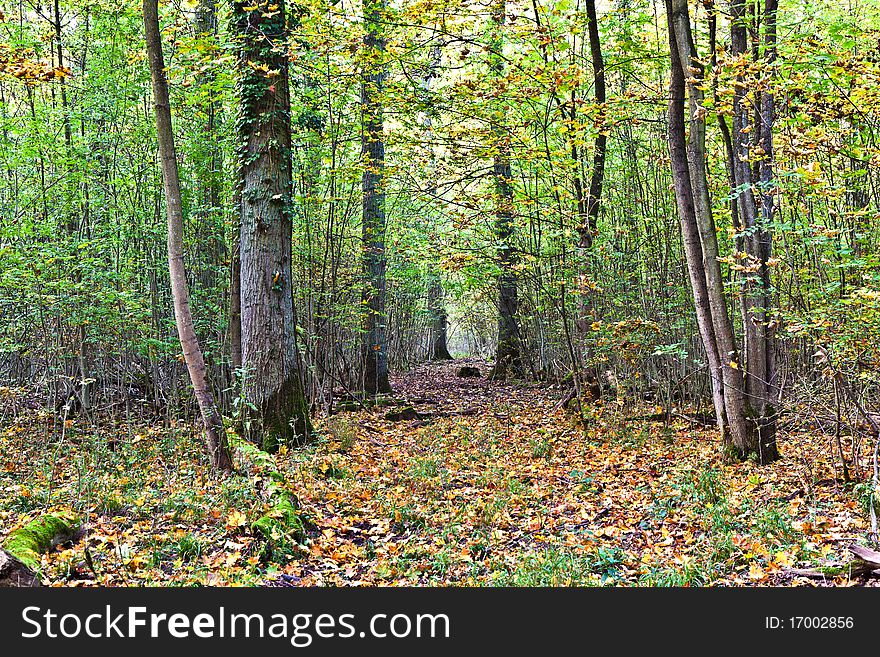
235 520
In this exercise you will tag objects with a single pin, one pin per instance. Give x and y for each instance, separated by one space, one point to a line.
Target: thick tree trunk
508 357
375 345
215 434
272 387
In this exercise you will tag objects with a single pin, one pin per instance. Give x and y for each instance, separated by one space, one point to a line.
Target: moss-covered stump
21 551
284 520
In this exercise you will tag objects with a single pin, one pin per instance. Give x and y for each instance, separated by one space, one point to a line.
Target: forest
503 293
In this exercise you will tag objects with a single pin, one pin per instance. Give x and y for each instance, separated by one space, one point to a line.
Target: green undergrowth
486 502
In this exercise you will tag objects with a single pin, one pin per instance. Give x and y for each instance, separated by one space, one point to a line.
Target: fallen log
15 573
21 552
866 562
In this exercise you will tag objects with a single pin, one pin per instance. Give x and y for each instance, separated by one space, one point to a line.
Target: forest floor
491 485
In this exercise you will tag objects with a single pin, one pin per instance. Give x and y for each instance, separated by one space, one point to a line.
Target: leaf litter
491 485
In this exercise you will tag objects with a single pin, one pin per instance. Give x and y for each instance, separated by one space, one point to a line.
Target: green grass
558 567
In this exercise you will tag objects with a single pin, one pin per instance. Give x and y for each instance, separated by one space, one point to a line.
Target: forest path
494 485
434 389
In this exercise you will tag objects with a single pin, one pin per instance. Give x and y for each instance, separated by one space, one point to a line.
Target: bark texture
277 411
752 164
699 236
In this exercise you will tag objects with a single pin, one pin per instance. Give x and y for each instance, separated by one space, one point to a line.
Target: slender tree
215 434
752 164
437 347
688 157
276 405
588 204
588 207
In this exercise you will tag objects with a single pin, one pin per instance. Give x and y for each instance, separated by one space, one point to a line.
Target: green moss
272 440
38 536
852 569
282 521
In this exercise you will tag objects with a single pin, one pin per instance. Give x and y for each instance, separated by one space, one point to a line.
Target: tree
215 434
437 347
755 203
272 390
508 358
588 207
375 346
698 227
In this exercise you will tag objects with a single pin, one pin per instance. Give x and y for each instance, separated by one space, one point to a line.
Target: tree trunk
588 208
690 233
215 434
507 351
755 273
764 405
438 350
731 372
14 572
277 408
688 71
597 175
375 345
